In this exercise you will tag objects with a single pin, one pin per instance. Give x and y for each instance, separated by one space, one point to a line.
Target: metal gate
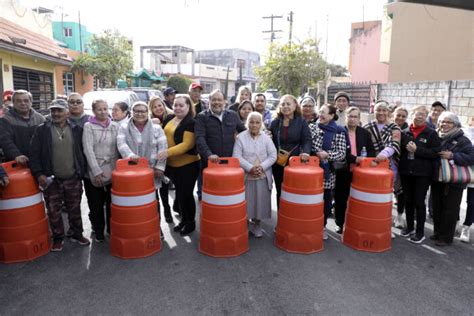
39 84
361 94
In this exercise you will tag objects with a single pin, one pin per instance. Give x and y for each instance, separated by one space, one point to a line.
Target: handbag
339 165
282 157
452 173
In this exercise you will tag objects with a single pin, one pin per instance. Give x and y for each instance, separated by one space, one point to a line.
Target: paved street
408 280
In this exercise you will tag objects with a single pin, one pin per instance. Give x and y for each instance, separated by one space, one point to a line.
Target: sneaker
325 234
338 230
83 241
399 221
417 239
465 234
99 237
57 245
393 235
407 233
258 232
69 233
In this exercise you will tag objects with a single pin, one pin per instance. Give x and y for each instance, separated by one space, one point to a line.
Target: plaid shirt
337 152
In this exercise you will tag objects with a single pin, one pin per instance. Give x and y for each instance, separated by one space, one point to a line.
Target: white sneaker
325 234
465 234
258 232
393 235
399 223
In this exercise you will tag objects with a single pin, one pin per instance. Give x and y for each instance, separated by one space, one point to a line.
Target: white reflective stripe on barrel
302 198
137 200
223 199
371 197
21 202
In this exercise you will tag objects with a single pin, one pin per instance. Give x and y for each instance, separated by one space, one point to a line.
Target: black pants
98 199
414 189
278 172
341 195
446 205
400 203
328 193
470 207
184 179
164 190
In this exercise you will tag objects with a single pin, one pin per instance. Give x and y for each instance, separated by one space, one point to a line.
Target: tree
179 83
111 58
292 68
338 70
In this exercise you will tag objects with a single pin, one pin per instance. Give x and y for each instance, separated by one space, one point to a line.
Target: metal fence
361 94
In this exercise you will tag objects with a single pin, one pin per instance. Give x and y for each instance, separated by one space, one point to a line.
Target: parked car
145 94
111 96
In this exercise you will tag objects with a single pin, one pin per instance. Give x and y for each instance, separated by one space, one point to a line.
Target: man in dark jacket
215 130
18 126
57 162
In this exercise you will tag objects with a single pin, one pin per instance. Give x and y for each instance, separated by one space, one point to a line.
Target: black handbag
339 166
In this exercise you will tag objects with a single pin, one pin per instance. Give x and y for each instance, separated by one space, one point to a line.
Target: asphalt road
407 280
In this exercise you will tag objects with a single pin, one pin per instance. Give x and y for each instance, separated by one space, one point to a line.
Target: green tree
292 68
110 58
179 83
338 70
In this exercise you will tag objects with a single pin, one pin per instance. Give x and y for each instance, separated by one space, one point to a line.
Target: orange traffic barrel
24 233
368 224
134 222
224 231
301 214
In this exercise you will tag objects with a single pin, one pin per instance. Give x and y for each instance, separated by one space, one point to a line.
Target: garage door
40 84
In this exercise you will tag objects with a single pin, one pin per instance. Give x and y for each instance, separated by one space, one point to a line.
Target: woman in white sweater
99 140
256 153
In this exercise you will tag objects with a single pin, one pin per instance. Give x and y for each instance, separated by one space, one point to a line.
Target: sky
214 24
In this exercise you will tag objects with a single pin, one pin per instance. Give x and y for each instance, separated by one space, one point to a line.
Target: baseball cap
58 104
7 95
169 91
195 85
342 94
438 103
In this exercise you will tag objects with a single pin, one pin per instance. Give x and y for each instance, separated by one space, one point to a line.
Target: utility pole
290 19
272 31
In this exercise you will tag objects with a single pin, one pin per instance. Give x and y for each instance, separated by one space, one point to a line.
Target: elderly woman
120 113
141 138
458 149
256 153
244 109
182 164
400 115
99 140
291 136
419 149
244 93
158 114
329 144
308 104
359 139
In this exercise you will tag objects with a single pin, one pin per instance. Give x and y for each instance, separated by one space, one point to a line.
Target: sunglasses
74 101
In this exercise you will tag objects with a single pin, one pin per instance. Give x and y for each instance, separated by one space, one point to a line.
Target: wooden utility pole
290 19
272 31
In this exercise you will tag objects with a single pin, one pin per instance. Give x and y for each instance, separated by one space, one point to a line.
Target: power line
272 31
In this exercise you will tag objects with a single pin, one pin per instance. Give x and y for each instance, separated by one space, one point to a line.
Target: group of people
69 151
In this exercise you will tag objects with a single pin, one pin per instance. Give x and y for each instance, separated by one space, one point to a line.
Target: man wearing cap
57 162
169 94
194 91
436 109
18 126
341 101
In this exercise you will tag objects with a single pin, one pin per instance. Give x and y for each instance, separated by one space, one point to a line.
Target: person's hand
4 181
268 132
99 179
214 158
411 147
380 158
304 157
162 155
156 120
42 181
446 154
22 159
134 158
254 171
158 173
322 154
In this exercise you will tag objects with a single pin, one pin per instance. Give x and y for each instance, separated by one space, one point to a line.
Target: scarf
416 130
145 147
330 131
452 134
104 125
383 138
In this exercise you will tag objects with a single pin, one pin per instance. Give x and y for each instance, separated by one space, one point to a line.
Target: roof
34 44
143 73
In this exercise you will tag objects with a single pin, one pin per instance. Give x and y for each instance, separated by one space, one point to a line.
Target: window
67 31
68 82
40 84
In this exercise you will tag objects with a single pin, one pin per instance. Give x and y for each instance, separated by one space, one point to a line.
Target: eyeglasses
139 112
75 102
446 122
